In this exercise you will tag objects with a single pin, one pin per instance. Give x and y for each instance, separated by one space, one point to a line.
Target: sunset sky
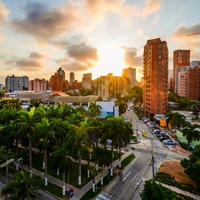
98 36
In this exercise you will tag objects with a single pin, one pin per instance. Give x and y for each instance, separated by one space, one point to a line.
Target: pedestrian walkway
78 193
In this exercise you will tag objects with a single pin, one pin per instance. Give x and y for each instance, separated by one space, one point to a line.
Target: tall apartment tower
129 76
155 61
16 83
180 58
194 81
60 71
87 80
71 78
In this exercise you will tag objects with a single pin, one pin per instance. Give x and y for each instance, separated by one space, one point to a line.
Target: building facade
38 85
129 76
193 86
182 83
87 80
16 83
71 78
180 58
155 63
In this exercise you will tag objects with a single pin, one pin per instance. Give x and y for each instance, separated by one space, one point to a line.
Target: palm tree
94 109
44 132
102 157
95 128
176 119
191 132
26 124
61 161
75 137
22 186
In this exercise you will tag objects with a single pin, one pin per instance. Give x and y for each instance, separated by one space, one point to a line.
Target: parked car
156 131
169 142
164 137
159 134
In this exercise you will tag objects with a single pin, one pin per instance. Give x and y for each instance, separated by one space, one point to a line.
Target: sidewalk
78 193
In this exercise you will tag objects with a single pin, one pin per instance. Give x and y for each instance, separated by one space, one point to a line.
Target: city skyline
98 36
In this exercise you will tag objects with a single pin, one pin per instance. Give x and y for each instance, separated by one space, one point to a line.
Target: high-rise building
60 71
194 81
71 78
56 83
16 83
180 58
38 85
87 80
129 76
109 86
155 62
182 83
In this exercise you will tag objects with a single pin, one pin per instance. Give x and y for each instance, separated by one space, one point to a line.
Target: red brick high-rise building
193 87
155 63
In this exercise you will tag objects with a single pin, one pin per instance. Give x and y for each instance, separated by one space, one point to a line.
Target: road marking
103 197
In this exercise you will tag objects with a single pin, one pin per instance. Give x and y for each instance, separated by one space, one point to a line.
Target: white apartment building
16 83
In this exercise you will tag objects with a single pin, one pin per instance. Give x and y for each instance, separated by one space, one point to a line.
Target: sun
111 60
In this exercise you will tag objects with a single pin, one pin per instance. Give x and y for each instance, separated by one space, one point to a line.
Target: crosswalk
102 197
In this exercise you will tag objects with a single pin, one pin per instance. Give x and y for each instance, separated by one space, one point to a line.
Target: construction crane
191 34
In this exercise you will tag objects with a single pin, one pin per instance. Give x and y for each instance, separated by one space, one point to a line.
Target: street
141 168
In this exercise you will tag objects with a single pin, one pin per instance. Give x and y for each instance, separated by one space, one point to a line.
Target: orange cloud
3 13
151 6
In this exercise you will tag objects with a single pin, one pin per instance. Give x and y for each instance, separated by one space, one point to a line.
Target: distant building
109 86
38 85
60 71
155 90
129 75
76 85
71 78
182 83
193 85
1 86
180 58
87 81
16 83
56 82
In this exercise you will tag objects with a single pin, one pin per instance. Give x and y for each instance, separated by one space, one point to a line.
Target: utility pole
152 161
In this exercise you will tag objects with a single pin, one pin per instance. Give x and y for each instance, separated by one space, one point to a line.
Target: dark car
160 134
169 142
164 137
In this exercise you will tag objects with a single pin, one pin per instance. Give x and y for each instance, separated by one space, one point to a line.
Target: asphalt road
140 169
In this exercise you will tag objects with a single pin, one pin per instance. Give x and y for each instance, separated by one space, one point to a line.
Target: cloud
35 61
98 8
70 65
151 6
3 13
184 31
79 57
83 52
130 57
43 23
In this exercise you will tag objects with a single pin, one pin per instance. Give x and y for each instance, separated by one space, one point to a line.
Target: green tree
155 191
94 109
22 186
76 135
60 160
192 165
44 132
26 123
103 157
176 119
191 132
